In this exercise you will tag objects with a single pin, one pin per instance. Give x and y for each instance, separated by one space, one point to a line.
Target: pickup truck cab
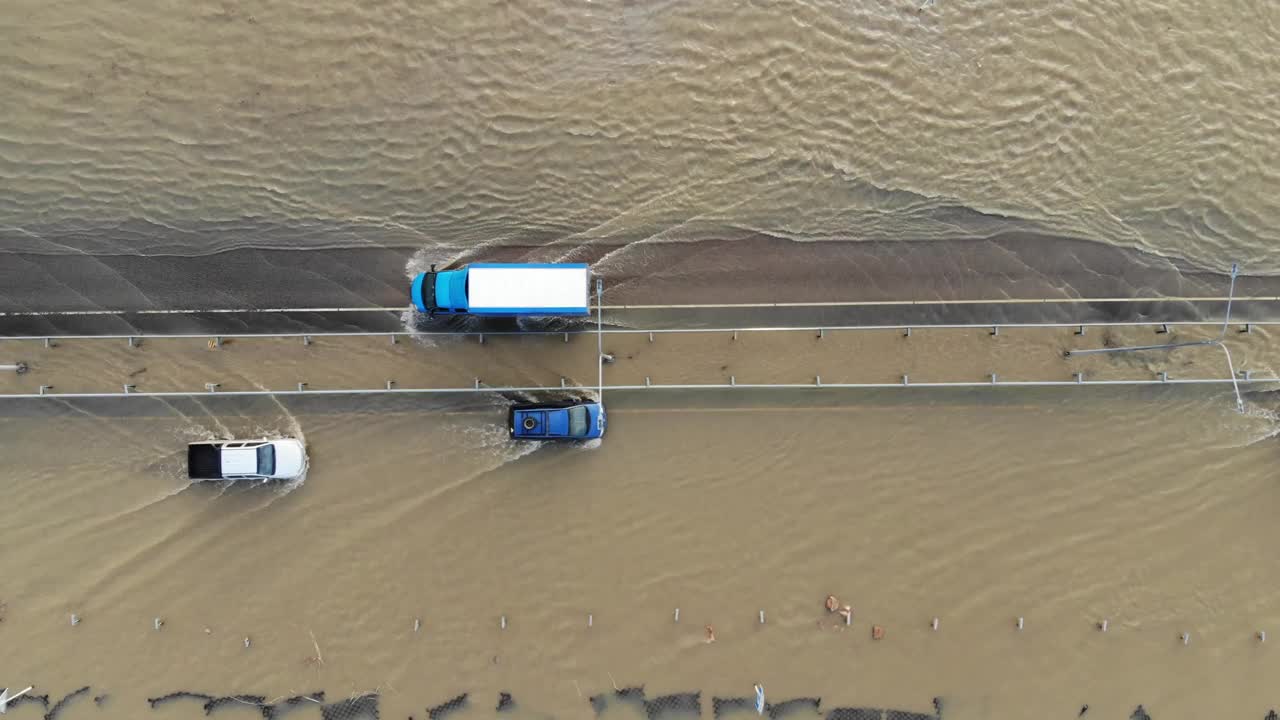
557 421
283 459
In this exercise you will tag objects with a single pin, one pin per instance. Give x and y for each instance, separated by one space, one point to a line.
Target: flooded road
306 155
1144 507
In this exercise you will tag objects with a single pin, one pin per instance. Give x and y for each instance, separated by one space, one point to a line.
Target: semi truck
504 290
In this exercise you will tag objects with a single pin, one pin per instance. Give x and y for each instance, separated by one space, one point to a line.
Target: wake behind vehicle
504 290
557 421
283 459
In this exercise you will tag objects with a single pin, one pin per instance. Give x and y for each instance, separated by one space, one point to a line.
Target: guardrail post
217 342
391 384
306 339
733 380
906 379
650 337
394 339
477 385
817 380
646 381
566 337
906 332
1164 329
1248 328
128 388
1164 376
132 343
48 343
1079 377
1080 330
993 378
995 330
562 382
1246 374
821 333
735 334
45 388
302 387
212 387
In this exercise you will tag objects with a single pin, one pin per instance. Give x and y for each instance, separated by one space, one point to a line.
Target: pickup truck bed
204 461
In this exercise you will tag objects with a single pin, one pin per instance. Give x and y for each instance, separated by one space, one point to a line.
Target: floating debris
52 714
444 709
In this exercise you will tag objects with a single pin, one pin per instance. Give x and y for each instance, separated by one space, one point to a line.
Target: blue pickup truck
557 421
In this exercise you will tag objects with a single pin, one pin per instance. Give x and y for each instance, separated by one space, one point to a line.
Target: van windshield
267 460
577 421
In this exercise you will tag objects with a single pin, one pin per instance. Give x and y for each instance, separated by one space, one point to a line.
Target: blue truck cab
557 421
504 290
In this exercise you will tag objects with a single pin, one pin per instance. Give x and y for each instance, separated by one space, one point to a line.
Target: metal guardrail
1161 326
818 384
685 306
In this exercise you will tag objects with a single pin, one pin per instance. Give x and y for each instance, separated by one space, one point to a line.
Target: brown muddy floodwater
1150 508
314 153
